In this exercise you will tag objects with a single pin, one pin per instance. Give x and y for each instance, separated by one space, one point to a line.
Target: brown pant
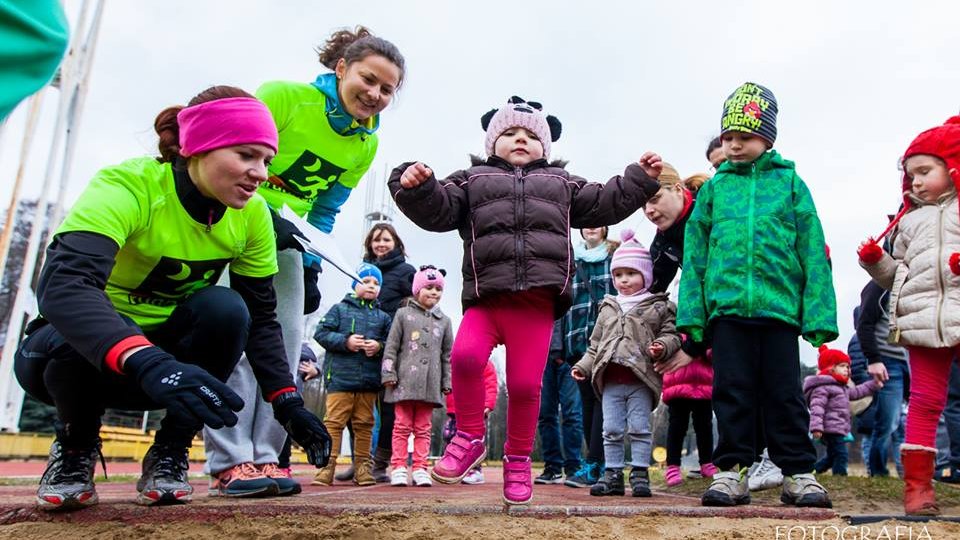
354 407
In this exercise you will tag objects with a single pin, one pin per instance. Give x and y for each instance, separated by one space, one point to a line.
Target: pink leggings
929 374
523 322
411 417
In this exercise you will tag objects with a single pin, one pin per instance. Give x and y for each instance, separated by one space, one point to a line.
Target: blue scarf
340 120
591 255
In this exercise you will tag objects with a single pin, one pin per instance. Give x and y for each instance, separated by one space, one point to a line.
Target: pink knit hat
632 254
428 275
520 113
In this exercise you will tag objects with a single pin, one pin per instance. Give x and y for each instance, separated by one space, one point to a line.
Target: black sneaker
549 476
164 477
611 483
640 482
67 483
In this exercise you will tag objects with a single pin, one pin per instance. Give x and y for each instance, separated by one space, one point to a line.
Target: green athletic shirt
312 157
165 255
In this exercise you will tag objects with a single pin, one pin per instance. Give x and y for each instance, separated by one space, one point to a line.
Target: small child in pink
514 211
687 392
416 373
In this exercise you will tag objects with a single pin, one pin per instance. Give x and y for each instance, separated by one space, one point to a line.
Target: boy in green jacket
767 281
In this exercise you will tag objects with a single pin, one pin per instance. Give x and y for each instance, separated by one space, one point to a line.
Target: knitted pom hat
751 108
520 113
942 142
829 358
428 275
632 254
367 270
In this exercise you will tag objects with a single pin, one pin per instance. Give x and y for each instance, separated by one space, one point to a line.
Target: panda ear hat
520 113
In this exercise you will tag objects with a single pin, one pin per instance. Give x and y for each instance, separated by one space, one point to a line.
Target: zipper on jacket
210 220
518 189
939 275
751 210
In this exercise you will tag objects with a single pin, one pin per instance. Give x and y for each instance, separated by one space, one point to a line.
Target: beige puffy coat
924 293
626 336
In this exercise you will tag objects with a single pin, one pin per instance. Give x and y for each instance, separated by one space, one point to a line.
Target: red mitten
955 263
870 252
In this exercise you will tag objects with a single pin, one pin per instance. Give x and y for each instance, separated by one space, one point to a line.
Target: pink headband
225 122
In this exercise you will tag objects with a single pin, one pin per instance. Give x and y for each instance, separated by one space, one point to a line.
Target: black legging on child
592 421
209 330
681 410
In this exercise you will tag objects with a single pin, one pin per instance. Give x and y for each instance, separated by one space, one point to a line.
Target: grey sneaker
729 488
804 490
67 483
164 477
764 475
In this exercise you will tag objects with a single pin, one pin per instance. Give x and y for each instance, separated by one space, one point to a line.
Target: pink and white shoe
673 476
461 455
708 470
517 480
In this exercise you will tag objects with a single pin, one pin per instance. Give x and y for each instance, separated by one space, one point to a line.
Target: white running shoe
421 478
474 477
398 477
766 475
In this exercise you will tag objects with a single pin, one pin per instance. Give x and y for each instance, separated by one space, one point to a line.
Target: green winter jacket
754 249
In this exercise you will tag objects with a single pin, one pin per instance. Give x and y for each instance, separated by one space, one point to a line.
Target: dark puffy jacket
344 370
666 250
515 221
397 280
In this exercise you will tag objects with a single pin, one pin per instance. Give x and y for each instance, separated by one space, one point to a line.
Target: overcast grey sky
855 82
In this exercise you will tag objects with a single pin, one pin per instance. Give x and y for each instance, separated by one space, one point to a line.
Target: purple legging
523 322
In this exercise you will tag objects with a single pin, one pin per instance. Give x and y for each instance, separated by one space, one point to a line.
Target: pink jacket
490 389
693 381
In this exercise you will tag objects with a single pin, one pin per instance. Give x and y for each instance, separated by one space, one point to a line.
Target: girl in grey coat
416 373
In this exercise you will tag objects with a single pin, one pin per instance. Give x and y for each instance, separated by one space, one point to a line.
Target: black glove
285 232
304 427
311 291
185 390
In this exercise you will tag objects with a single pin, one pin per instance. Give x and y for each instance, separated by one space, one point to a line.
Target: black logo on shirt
172 280
308 175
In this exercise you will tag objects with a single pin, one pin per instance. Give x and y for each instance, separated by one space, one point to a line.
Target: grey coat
417 356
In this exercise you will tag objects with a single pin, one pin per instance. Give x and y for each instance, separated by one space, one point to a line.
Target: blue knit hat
367 270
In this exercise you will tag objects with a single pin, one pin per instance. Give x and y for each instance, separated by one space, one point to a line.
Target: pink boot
462 454
517 480
674 475
708 470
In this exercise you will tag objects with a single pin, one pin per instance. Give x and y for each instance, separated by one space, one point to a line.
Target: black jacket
346 370
397 280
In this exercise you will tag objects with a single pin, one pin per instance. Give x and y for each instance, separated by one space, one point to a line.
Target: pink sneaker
462 455
674 475
708 470
517 480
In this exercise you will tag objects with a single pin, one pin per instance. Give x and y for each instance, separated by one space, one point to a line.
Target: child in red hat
828 398
923 274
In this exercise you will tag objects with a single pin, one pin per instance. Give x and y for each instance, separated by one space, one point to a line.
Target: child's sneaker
707 470
549 476
587 476
474 477
673 476
461 455
286 485
398 477
421 478
764 475
729 488
611 483
804 490
243 480
517 479
640 482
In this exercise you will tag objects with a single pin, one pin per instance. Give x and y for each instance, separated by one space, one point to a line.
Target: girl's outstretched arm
434 205
599 205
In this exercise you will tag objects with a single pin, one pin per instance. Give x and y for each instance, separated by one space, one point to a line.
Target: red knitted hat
942 142
829 358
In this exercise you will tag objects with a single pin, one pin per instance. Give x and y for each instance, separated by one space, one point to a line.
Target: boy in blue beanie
353 333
